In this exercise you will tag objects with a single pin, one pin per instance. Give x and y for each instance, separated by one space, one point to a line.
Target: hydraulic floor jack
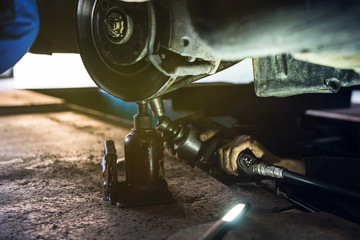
144 166
144 157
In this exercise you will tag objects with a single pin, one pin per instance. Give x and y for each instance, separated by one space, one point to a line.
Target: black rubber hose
247 159
308 180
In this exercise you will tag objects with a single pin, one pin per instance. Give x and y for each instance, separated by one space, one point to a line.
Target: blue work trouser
19 26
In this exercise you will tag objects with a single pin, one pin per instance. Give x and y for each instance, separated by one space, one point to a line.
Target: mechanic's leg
19 26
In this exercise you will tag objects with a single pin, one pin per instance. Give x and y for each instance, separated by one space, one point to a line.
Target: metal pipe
157 107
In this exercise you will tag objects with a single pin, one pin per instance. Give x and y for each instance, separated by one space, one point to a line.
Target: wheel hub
118 39
117 28
112 38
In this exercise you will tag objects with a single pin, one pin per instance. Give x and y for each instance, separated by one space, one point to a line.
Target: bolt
333 84
185 41
191 59
115 25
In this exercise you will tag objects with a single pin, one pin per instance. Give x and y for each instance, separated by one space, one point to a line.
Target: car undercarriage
162 181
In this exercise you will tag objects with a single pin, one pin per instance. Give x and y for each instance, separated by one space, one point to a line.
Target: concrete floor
50 184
